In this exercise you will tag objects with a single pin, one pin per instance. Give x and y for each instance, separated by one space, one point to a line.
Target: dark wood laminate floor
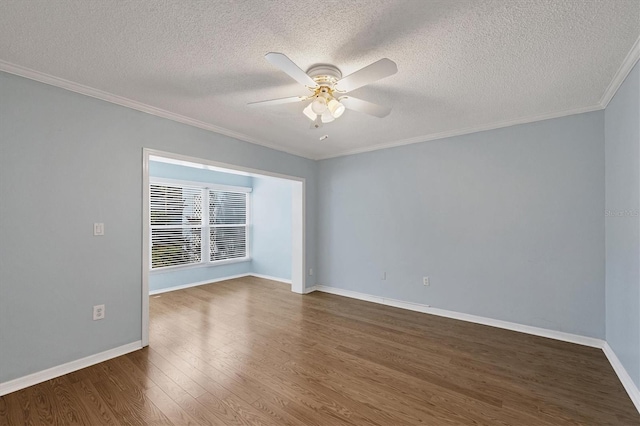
250 352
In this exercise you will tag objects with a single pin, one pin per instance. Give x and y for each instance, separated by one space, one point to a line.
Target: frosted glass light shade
319 105
309 113
336 108
327 117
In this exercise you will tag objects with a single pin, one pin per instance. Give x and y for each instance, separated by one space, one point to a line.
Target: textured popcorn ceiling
462 64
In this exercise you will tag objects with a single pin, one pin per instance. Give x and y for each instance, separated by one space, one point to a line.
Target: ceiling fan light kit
325 81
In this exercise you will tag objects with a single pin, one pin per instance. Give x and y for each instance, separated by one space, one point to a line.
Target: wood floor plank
248 351
174 390
97 409
277 413
207 376
28 403
130 404
257 380
292 388
13 408
169 407
4 412
71 410
47 406
181 379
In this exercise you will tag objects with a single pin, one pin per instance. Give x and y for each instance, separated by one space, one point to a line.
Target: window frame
205 226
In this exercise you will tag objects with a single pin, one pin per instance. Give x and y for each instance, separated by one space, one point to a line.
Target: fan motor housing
324 74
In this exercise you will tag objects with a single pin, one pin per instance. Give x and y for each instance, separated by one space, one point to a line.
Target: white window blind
228 225
185 232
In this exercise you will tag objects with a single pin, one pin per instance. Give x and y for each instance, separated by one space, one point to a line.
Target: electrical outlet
310 271
98 312
425 281
384 276
98 229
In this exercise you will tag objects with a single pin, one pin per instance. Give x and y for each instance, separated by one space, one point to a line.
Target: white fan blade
281 61
278 101
364 106
377 70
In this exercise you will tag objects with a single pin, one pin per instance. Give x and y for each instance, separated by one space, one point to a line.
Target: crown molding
627 65
139 106
622 73
468 130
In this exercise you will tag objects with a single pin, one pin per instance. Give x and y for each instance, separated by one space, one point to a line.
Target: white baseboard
217 280
272 278
69 367
183 286
624 377
543 332
311 289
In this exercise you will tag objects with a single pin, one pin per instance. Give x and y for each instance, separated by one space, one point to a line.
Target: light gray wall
622 142
271 245
508 223
67 161
163 279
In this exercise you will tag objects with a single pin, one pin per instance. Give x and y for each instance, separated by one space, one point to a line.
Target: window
193 224
227 225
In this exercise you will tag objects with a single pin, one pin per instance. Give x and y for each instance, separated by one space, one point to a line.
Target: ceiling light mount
325 75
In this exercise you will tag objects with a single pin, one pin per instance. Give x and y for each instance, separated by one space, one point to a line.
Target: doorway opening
277 199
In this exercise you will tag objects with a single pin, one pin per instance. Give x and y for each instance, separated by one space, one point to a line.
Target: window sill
199 265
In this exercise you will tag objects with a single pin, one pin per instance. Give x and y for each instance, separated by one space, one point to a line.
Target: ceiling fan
328 87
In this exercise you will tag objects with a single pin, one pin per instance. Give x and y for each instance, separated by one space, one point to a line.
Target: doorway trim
298 221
